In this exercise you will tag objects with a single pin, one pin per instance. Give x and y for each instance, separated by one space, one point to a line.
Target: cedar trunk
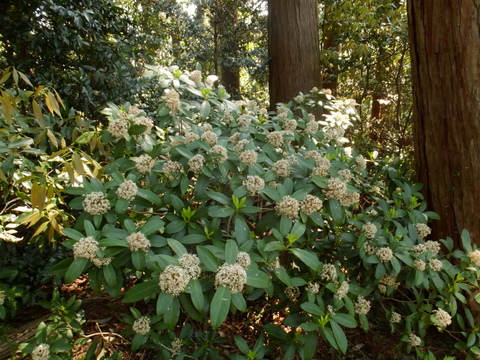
293 46
445 51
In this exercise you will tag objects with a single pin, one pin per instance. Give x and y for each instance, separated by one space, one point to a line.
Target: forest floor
104 323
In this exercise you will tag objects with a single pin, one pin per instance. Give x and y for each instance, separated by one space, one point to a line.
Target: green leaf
75 269
285 225
239 301
309 326
110 276
231 251
336 211
177 247
219 197
196 292
89 229
150 196
242 345
283 276
138 340
312 308
153 225
330 337
164 302
73 234
242 231
142 291
345 320
309 258
172 314
138 259
339 335
220 306
257 278
121 205
310 345
207 258
220 211
466 241
276 331
175 226
205 110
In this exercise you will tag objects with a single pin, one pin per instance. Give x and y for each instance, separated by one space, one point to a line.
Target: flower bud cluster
41 352
310 204
219 150
370 230
196 163
138 242
385 254
423 230
142 325
288 207
231 276
282 168
172 100
248 157
174 279
275 138
475 257
443 318
118 128
144 164
292 293
342 290
209 137
191 263
127 190
172 169
254 184
362 306
96 203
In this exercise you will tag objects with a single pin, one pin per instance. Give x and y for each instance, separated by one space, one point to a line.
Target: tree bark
293 46
445 51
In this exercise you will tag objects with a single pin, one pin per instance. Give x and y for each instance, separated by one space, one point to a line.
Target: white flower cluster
254 184
475 257
423 230
333 134
288 207
196 163
127 190
389 281
313 287
142 325
231 276
86 248
144 164
443 318
2 297
243 259
370 230
96 203
191 263
311 127
176 345
342 290
196 76
240 145
244 122
419 265
433 246
329 273
299 98
322 164
336 188
173 280
219 150
331 310
435 264
292 293
209 137
248 157
370 248
395 318
290 125
349 199
275 138
282 168
362 306
414 340
361 162
385 254
310 204
172 100
138 242
346 175
172 169
41 352
118 128
190 137
145 121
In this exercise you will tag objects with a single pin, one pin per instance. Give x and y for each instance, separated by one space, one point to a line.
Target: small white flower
142 325
443 318
173 280
395 317
41 352
288 207
313 288
138 242
96 203
86 248
342 291
385 254
144 163
243 259
191 263
127 190
292 293
423 230
414 340
475 257
370 230
254 184
231 276
362 306
435 264
118 128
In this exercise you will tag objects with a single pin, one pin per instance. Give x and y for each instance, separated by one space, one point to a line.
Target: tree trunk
445 51
293 46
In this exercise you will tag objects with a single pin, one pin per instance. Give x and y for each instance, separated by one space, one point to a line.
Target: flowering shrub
216 207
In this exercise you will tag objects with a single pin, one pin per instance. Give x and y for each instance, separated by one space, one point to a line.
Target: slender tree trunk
293 48
445 50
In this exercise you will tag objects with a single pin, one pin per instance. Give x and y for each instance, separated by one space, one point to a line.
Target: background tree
445 50
293 47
